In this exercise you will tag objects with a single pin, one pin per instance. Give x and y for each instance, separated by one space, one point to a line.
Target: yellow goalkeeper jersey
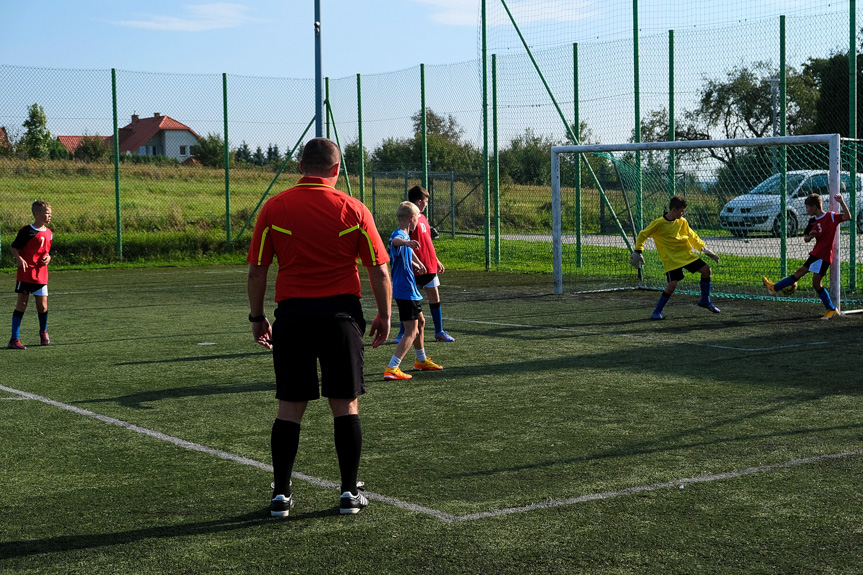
674 240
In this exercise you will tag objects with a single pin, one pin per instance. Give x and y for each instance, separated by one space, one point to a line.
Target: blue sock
16 323
784 283
43 322
663 299
434 308
705 291
825 297
401 330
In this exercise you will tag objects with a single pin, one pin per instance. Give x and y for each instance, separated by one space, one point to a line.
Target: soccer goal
745 199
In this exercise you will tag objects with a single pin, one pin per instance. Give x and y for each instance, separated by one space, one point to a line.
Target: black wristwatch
257 318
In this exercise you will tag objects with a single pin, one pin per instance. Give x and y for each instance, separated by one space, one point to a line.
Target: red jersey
33 244
317 233
425 252
824 228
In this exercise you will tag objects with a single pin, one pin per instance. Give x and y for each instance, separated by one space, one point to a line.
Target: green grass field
566 434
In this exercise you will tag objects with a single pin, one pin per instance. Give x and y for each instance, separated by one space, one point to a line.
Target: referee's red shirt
317 233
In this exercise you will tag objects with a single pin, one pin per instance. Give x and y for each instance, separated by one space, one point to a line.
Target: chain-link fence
172 191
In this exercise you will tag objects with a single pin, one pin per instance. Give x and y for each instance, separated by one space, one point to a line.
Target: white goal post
832 141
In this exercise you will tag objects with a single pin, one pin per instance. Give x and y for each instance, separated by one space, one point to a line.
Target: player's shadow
196 358
50 547
139 400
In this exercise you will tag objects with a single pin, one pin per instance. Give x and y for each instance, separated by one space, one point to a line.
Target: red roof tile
141 131
72 142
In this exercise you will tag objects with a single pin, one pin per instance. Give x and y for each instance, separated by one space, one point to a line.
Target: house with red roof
156 136
71 143
4 138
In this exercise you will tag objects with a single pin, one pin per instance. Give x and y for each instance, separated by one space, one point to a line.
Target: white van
758 210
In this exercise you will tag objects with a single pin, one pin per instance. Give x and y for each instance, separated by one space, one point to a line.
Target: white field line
679 483
221 454
445 517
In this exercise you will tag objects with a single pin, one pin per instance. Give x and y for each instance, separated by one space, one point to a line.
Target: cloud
453 12
199 18
462 13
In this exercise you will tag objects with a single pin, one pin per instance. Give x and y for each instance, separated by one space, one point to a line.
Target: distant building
156 136
4 138
71 143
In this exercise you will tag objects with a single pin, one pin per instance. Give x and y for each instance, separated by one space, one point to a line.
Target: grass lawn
566 434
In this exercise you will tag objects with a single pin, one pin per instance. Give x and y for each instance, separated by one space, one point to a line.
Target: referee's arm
382 288
257 288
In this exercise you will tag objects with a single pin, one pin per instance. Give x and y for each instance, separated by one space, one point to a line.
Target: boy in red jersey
419 196
31 250
822 228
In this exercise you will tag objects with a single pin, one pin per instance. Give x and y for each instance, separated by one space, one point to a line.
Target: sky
275 38
269 38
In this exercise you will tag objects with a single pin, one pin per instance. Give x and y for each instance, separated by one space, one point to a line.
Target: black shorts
819 269
409 309
424 279
329 330
27 287
691 267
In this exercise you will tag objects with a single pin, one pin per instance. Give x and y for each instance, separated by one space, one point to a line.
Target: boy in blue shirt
405 292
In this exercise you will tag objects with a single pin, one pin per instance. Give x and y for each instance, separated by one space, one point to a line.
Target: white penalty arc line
633 336
445 517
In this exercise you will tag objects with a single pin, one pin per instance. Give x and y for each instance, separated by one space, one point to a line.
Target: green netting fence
637 71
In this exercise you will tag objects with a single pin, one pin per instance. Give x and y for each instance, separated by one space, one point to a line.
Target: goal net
745 199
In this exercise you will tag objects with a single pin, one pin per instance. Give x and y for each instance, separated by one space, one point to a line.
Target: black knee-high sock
348 434
284 442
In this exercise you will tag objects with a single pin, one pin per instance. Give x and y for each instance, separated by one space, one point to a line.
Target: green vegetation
543 399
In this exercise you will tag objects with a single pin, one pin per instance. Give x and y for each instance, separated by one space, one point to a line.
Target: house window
154 150
182 150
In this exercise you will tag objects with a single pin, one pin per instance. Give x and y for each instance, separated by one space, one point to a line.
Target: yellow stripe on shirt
368 239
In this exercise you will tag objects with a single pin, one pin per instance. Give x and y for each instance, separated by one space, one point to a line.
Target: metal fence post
362 161
116 164
227 165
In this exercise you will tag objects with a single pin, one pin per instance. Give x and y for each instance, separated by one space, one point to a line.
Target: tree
258 158
36 142
351 157
210 150
741 106
91 149
829 77
527 159
274 156
243 153
448 128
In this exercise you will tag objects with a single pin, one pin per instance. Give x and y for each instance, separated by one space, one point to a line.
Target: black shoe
351 504
281 505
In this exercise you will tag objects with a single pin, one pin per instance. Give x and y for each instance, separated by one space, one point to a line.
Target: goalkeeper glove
636 259
710 254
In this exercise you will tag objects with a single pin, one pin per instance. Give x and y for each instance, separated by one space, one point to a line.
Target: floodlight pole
319 102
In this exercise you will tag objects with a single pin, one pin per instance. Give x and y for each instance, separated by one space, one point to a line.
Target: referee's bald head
320 155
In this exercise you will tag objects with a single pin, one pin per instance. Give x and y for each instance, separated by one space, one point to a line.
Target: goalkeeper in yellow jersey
676 243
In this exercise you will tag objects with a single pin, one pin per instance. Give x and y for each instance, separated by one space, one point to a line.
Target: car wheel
791 226
860 222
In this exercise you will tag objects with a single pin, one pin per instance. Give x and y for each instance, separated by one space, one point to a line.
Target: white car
758 210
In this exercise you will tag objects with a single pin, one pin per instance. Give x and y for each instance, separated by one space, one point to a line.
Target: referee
317 233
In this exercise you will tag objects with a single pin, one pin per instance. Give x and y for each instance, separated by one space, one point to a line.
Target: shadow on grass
63 543
137 400
196 358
